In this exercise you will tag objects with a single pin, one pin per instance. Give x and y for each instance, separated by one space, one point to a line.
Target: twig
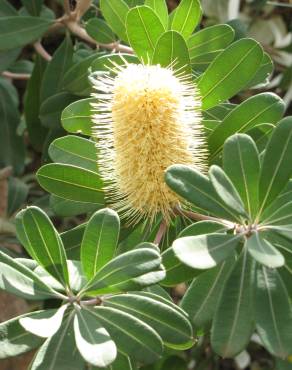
67 6
160 233
79 31
41 51
16 76
82 7
199 217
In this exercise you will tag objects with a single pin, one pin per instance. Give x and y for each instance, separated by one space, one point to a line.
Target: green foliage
97 286
101 325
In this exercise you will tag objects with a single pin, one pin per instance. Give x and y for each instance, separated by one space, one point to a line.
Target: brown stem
79 31
199 217
82 7
41 51
160 233
67 6
16 76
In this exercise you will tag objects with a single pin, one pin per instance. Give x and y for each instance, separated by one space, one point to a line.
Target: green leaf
264 252
263 74
68 208
37 133
42 241
74 150
205 251
260 134
210 39
99 241
8 57
59 351
14 340
230 72
131 335
279 208
241 163
100 31
219 112
276 169
226 190
51 109
261 108
176 271
6 9
71 182
76 78
72 241
143 29
11 144
122 362
172 326
34 7
273 313
233 321
186 17
283 364
92 340
128 271
160 8
201 298
18 31
201 62
17 279
54 74
170 49
45 323
105 62
115 15
76 118
197 189
76 278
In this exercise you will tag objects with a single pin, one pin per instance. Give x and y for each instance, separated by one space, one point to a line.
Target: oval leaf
92 340
264 252
71 182
276 169
233 321
205 251
242 165
42 241
143 29
186 17
273 312
99 241
230 72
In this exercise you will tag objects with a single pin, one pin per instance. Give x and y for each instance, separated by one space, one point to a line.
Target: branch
41 51
199 217
79 31
67 6
82 7
16 76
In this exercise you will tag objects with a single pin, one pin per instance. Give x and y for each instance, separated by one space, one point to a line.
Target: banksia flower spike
146 119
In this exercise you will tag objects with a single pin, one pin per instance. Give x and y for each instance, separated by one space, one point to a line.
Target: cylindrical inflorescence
146 119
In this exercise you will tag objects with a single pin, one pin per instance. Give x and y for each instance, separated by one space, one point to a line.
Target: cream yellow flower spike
146 119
